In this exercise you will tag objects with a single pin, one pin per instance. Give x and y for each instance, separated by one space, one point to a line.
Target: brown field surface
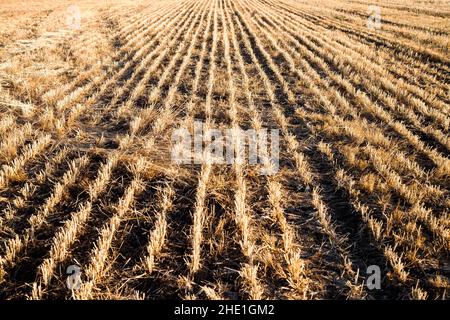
86 175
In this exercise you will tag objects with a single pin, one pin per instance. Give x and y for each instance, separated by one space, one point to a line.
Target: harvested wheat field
88 184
